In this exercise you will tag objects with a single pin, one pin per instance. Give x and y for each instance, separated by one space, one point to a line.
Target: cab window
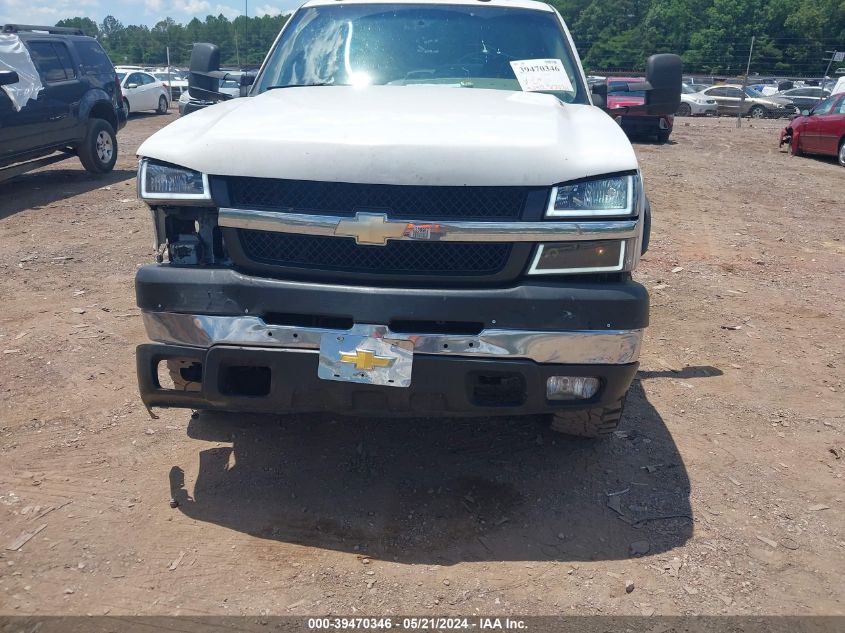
52 61
93 58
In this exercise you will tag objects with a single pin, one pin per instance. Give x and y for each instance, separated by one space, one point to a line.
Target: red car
819 131
636 125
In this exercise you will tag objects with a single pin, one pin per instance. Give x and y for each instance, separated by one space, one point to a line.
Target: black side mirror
663 72
599 94
8 77
202 84
247 79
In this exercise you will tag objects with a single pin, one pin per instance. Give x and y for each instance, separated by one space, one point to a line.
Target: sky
48 12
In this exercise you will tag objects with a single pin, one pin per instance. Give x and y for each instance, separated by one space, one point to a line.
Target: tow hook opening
247 381
497 389
179 374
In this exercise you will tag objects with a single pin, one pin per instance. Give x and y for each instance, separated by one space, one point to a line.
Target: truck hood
401 135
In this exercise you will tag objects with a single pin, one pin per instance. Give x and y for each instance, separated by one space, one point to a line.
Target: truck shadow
39 188
442 491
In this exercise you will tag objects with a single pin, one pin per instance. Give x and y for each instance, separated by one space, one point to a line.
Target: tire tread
596 423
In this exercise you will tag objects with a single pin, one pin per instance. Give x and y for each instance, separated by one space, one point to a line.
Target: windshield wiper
326 83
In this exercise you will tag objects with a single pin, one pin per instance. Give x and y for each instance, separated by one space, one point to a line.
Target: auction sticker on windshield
541 74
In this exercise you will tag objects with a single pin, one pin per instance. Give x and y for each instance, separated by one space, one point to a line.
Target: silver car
730 101
695 104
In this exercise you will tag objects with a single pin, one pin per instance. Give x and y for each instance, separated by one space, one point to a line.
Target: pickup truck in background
59 97
636 123
419 209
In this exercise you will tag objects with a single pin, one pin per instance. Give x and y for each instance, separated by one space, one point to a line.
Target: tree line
243 41
791 37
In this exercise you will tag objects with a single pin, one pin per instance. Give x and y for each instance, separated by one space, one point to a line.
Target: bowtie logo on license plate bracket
365 359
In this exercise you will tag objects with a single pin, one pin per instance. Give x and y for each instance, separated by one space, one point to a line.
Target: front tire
684 110
758 112
841 154
162 105
126 106
98 151
180 382
595 423
663 137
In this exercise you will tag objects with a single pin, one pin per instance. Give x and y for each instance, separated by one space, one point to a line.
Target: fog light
571 387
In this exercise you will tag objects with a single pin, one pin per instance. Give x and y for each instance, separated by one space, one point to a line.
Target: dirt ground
723 493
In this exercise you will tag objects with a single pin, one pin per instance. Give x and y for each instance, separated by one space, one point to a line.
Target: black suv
77 111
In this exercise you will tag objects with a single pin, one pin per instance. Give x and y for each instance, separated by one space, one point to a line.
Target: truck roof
520 4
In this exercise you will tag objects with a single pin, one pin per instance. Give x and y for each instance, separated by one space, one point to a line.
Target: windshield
384 44
121 75
687 90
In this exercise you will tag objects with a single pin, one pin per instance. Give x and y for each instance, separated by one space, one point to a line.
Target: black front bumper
441 384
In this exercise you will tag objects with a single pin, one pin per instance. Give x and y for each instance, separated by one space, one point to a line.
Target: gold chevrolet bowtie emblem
365 359
370 228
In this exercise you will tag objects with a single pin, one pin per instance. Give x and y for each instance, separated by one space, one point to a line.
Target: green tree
88 26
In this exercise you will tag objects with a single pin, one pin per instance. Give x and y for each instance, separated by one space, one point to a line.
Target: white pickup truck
420 209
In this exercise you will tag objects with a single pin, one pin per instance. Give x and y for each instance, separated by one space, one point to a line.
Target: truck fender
97 104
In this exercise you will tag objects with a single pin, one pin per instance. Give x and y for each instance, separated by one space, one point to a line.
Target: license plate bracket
367 360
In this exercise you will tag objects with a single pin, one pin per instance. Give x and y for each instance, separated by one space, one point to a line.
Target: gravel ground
722 493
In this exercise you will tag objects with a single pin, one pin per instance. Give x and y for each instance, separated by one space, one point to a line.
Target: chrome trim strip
421 230
585 347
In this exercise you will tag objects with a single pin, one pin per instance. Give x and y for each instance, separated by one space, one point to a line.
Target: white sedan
695 103
142 91
173 81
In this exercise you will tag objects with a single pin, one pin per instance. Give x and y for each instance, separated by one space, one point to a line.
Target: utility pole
237 49
835 56
744 85
169 82
246 26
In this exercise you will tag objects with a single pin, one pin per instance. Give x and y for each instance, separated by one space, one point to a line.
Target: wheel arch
97 105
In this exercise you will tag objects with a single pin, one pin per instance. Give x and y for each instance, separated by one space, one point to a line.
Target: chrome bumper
582 347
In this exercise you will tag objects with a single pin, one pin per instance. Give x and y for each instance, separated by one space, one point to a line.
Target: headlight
166 182
595 197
